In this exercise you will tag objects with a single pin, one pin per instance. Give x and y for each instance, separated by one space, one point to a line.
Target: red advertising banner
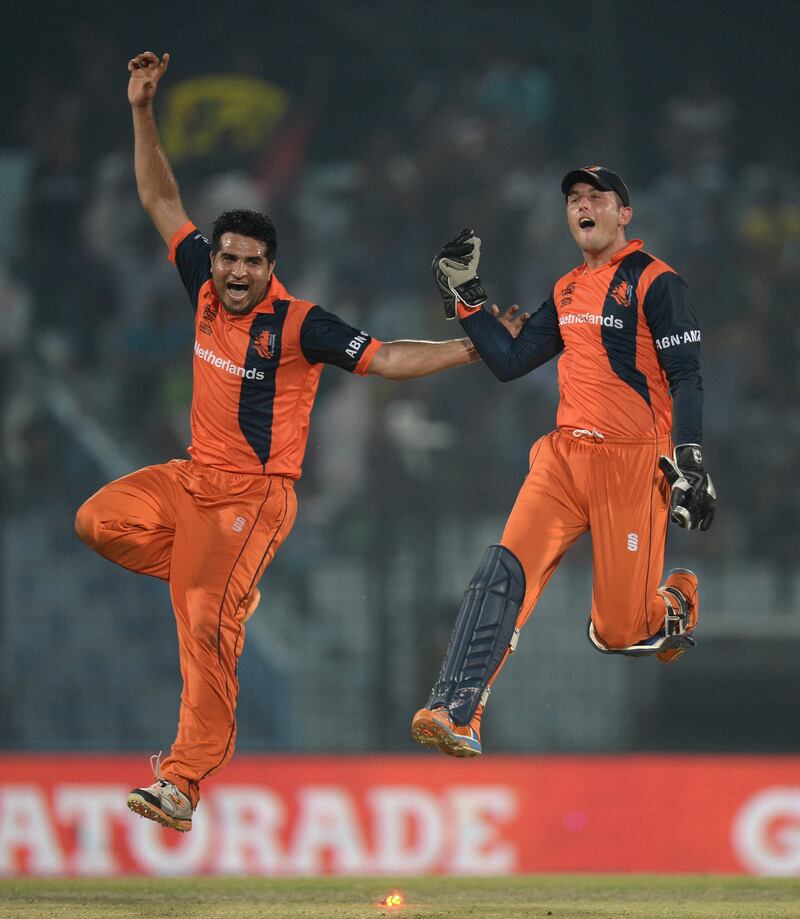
396 815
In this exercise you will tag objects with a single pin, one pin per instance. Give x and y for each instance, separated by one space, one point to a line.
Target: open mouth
237 291
586 223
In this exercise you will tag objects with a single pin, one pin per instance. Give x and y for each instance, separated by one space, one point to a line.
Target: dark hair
246 223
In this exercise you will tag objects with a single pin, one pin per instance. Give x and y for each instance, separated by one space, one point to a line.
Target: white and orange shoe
674 638
162 801
436 729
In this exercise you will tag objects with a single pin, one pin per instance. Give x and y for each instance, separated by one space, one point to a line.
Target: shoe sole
669 657
681 644
144 809
429 732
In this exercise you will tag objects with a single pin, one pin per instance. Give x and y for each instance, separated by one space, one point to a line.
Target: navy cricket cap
598 177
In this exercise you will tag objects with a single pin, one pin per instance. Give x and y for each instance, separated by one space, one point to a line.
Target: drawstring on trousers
585 432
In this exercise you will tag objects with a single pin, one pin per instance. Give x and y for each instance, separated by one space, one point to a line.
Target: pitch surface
531 897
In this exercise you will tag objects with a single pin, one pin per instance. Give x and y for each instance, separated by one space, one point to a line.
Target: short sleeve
190 252
326 339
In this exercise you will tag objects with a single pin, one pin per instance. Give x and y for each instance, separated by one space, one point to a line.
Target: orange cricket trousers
614 488
211 534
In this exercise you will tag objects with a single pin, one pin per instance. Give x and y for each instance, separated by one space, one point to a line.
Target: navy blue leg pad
481 635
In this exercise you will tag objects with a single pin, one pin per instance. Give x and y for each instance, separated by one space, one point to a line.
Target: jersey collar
618 256
275 291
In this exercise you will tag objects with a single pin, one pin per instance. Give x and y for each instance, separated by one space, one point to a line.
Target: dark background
400 124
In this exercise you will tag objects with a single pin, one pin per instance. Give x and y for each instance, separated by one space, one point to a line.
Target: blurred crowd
97 362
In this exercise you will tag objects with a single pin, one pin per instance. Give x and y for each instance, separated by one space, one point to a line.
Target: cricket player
628 377
211 525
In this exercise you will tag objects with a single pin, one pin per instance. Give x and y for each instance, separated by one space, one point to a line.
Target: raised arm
404 360
158 190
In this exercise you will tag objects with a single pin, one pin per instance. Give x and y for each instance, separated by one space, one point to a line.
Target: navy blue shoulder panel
193 261
621 319
257 396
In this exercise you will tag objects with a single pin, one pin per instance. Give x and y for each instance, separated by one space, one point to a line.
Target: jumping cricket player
211 525
629 376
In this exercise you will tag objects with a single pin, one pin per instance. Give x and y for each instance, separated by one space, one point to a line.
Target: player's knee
203 627
615 639
86 524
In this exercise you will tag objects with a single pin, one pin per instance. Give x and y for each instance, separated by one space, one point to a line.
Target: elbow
384 366
504 373
391 374
156 203
688 379
151 204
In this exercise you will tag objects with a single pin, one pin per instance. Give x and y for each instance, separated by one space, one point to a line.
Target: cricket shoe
683 606
655 644
436 729
679 593
163 802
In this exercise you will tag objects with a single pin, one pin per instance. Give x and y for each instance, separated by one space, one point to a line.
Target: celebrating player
211 525
630 361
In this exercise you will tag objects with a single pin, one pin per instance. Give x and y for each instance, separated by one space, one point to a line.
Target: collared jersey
609 376
256 375
630 343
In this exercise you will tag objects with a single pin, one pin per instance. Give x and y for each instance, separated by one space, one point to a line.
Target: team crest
264 343
623 293
566 294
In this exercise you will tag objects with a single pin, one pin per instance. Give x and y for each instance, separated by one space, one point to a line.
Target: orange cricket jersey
630 343
256 375
609 376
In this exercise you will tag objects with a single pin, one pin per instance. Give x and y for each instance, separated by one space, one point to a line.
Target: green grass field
531 897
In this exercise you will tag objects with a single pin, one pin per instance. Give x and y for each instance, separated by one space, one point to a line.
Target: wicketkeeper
629 376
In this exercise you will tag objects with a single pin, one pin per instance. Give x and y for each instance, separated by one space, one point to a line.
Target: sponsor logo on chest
226 365
609 322
598 310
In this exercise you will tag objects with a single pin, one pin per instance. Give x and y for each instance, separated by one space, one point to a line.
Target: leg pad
484 631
